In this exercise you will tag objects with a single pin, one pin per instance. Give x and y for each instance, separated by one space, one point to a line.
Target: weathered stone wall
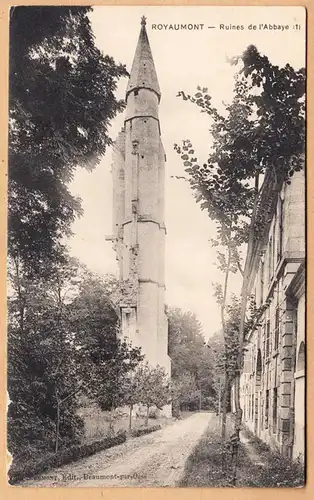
272 407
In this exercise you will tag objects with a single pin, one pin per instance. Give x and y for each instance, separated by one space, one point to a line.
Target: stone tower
138 207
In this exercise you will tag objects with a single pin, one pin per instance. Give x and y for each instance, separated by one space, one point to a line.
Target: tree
183 390
258 143
154 387
188 352
111 380
62 340
61 103
132 392
107 360
43 365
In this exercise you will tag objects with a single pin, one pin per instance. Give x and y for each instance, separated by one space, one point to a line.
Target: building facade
273 379
138 211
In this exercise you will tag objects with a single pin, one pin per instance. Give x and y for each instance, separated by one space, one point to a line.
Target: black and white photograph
156 248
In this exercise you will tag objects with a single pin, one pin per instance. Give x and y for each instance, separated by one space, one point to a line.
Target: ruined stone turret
139 227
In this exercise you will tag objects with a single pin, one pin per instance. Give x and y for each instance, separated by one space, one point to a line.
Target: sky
183 59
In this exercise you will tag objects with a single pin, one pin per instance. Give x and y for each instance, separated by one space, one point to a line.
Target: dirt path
156 459
253 455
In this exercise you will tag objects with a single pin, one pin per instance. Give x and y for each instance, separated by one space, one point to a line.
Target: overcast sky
183 60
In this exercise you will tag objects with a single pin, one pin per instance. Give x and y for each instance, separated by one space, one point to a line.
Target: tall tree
61 102
43 364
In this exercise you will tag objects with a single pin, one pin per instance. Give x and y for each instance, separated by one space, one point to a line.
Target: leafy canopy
61 102
263 129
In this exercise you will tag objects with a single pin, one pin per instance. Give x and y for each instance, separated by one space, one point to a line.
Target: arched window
301 357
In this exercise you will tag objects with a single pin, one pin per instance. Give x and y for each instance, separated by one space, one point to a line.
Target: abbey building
273 377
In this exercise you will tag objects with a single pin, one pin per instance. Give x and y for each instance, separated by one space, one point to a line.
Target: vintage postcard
156 247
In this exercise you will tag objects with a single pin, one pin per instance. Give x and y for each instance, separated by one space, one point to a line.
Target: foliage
263 128
261 131
108 359
223 353
95 327
154 387
190 363
61 103
42 363
232 337
109 386
184 329
132 389
183 392
61 340
18 472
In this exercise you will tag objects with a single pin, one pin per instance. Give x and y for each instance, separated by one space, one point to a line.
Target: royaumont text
222 27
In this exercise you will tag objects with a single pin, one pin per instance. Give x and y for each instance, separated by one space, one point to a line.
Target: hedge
52 460
145 430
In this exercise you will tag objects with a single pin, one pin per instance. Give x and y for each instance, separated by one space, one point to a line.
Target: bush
145 430
52 460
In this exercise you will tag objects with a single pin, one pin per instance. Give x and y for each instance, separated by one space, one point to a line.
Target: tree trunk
57 427
21 304
111 421
130 418
223 323
219 399
244 297
147 413
224 408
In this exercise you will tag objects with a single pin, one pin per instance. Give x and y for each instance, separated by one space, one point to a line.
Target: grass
96 422
211 465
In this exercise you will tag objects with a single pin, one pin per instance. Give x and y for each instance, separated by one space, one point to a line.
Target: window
262 282
267 338
280 229
128 322
270 258
275 243
275 408
266 408
277 327
301 357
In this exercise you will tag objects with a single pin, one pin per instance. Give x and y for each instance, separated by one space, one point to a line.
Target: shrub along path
156 459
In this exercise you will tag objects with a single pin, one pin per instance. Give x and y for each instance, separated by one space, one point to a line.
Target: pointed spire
143 72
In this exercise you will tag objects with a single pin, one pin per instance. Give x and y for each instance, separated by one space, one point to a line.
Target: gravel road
156 459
